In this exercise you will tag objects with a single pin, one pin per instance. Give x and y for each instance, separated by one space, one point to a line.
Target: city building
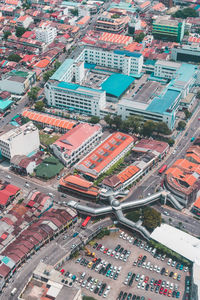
187 53
49 285
48 168
103 157
145 155
196 207
22 140
167 3
166 69
76 142
106 22
8 192
168 29
17 82
24 21
48 121
45 33
77 185
24 165
182 179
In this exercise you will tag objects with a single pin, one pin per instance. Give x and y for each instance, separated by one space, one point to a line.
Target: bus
162 169
84 224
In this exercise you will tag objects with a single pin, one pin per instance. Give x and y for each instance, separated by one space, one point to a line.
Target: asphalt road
51 254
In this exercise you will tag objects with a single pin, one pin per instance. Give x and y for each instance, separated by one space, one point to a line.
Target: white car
169 262
148 265
155 268
106 293
117 255
125 236
84 283
109 252
139 285
8 176
143 285
142 278
88 286
121 234
144 265
151 268
158 270
92 288
119 268
102 248
131 240
171 286
121 257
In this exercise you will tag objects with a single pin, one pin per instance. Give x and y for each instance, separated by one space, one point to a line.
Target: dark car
134 297
121 250
124 296
95 245
96 290
171 274
129 296
147 287
99 246
89 278
135 242
144 258
177 266
117 248
120 295
162 271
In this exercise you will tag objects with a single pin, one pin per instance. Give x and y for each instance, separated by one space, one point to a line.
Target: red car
159 282
105 251
94 259
99 246
161 290
146 279
139 257
165 292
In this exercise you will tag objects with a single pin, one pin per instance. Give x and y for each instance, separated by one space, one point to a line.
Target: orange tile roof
127 173
98 159
197 203
159 6
145 4
65 124
83 20
42 63
80 185
115 38
77 181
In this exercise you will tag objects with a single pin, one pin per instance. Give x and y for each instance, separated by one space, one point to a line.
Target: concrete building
187 53
76 142
20 141
24 21
17 82
167 29
107 23
46 33
103 157
166 69
49 285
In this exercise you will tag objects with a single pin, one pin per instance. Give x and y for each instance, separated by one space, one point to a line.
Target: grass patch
47 139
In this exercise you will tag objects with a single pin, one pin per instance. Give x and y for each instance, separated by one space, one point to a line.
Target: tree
162 128
187 114
94 120
19 31
115 16
198 94
6 35
171 142
185 13
181 125
14 57
148 128
57 64
47 75
151 218
117 121
108 119
39 106
139 37
74 12
32 95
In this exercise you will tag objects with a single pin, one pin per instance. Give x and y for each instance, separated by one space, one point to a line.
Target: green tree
14 57
139 37
39 106
19 31
171 142
162 128
117 121
32 95
187 114
57 64
47 75
198 93
148 128
135 124
108 119
186 33
115 16
185 13
74 12
6 35
151 218
94 120
181 125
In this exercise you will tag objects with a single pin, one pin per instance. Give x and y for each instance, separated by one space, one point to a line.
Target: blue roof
127 53
150 62
62 69
186 72
89 66
161 104
68 85
4 104
117 84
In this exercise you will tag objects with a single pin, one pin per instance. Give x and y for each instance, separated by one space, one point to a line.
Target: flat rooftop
148 90
117 84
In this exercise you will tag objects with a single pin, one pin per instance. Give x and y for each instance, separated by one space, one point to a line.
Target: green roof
49 168
117 84
19 73
4 104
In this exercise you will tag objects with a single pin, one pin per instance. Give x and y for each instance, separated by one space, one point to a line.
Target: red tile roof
107 151
4 270
197 203
74 138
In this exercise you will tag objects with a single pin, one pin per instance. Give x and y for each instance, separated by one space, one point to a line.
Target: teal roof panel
117 84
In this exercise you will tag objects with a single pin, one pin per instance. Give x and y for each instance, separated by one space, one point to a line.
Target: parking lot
140 265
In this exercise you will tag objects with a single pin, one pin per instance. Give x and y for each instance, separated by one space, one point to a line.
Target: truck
13 292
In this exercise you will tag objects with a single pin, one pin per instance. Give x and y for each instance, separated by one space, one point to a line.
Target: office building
107 23
187 53
166 69
167 29
22 140
76 142
46 33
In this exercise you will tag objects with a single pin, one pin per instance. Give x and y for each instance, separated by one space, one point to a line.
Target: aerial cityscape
99 149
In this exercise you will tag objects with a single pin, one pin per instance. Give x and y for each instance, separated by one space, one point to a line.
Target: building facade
20 141
46 33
